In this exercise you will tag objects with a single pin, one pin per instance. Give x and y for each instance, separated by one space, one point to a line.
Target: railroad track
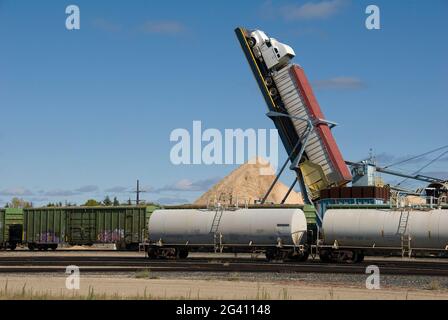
45 264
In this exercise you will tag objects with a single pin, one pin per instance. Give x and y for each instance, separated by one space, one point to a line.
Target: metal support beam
289 191
277 177
303 188
302 142
330 124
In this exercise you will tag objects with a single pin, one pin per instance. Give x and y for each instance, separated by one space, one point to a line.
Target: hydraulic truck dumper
304 132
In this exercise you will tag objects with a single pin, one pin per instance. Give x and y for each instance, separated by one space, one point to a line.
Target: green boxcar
44 228
11 227
124 226
48 227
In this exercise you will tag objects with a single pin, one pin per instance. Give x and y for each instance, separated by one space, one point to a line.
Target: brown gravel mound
248 184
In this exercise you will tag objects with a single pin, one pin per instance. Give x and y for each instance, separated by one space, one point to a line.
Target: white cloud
61 193
88 188
117 189
312 10
188 185
16 192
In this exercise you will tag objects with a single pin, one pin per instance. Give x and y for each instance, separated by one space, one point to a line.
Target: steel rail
111 265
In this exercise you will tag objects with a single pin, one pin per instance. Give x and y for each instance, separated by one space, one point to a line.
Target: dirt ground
110 287
182 285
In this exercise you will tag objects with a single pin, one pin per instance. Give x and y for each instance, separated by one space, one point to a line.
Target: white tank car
386 228
242 227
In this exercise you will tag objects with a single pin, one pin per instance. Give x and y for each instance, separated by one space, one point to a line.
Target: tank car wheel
152 253
360 257
277 255
181 253
325 256
270 255
356 257
303 256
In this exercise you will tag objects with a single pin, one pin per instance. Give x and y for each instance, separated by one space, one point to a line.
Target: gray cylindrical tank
258 227
384 228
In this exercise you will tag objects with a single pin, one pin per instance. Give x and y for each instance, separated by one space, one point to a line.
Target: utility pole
138 191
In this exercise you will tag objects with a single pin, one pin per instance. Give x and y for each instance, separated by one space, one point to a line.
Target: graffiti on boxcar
109 236
48 237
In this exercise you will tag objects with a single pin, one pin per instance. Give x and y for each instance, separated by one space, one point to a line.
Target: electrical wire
425 166
416 157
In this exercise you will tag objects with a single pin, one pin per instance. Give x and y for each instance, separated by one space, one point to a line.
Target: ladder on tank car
217 237
217 219
406 249
403 225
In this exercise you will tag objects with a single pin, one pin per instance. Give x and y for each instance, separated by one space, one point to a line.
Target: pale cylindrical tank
254 227
386 228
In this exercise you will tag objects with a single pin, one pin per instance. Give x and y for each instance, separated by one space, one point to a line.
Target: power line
416 157
426 165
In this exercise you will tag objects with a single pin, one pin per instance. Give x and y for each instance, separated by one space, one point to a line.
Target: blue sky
87 112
